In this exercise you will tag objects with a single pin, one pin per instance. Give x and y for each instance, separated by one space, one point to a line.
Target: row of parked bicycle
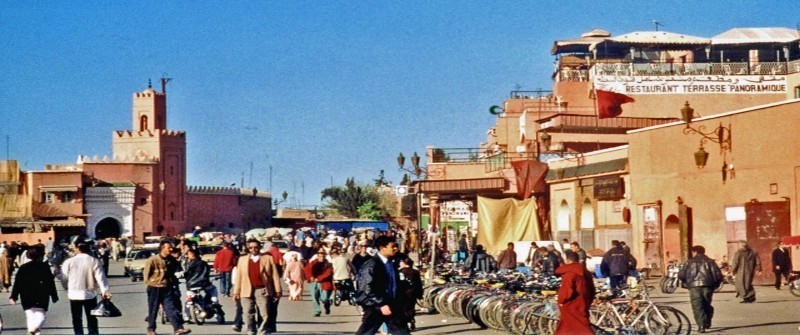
520 304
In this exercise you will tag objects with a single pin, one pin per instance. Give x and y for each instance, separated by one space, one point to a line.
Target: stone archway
108 227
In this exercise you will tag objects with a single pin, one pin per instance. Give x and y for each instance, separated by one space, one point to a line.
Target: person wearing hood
575 296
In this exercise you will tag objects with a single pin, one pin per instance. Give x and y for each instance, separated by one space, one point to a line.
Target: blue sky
319 90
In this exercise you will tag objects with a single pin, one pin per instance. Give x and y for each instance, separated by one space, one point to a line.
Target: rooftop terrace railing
492 159
685 69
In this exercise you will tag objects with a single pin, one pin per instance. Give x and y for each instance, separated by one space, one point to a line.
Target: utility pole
250 182
270 180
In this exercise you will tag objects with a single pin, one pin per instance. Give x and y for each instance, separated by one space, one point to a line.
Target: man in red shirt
320 276
224 261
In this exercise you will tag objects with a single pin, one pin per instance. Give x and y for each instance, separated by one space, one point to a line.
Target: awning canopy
756 36
615 165
662 40
582 44
58 188
354 224
457 186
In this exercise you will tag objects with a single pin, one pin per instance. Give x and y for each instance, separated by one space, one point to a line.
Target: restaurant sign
691 84
608 188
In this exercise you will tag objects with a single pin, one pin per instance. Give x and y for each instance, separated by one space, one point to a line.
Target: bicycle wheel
605 319
667 320
520 319
548 319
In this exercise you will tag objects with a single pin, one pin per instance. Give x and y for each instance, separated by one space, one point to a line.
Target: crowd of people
367 266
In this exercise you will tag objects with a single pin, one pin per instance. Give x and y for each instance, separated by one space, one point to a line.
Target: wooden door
767 222
652 239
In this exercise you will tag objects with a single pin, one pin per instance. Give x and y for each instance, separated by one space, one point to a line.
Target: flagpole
596 113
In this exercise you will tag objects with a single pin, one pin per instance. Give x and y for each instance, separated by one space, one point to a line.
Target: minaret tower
150 109
165 211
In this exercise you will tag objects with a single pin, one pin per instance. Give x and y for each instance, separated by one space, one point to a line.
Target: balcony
468 163
688 69
574 123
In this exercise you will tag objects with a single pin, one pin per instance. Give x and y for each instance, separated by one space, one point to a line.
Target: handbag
105 308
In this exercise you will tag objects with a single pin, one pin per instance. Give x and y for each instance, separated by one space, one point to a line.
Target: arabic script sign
692 84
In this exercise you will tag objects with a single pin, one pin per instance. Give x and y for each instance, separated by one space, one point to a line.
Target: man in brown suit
257 284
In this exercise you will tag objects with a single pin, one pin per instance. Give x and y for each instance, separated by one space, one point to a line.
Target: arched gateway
108 227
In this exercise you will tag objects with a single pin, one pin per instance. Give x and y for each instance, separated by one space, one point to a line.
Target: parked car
134 262
283 245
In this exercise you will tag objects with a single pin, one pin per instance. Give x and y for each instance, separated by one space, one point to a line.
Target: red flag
609 104
530 177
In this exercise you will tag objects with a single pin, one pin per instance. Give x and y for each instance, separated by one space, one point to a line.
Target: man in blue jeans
159 276
224 262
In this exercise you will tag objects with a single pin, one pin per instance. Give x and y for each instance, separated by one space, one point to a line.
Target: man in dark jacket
198 275
377 291
36 286
702 276
616 265
781 264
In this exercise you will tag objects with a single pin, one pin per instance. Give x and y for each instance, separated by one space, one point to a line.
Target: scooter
670 282
200 306
794 283
727 275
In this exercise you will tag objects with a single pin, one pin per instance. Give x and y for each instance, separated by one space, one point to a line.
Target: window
48 197
142 201
143 123
797 92
68 197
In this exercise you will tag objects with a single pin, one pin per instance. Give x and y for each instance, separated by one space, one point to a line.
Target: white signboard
691 84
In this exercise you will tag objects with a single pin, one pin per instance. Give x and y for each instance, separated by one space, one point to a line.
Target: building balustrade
493 159
687 69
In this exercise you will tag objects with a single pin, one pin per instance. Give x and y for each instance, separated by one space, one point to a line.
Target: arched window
587 215
143 123
562 223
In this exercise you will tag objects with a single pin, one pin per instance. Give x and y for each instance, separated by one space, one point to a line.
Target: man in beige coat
258 284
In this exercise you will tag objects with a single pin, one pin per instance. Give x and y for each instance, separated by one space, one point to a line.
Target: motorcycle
199 307
727 275
670 282
794 283
343 291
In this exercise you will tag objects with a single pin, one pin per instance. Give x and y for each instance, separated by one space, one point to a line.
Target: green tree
381 180
346 199
405 180
370 210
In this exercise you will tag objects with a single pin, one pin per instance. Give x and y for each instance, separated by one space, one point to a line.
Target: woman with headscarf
293 275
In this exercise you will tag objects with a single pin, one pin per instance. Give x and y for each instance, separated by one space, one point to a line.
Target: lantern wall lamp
720 135
416 169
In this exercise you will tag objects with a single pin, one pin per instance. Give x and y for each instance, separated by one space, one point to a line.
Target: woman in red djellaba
574 297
